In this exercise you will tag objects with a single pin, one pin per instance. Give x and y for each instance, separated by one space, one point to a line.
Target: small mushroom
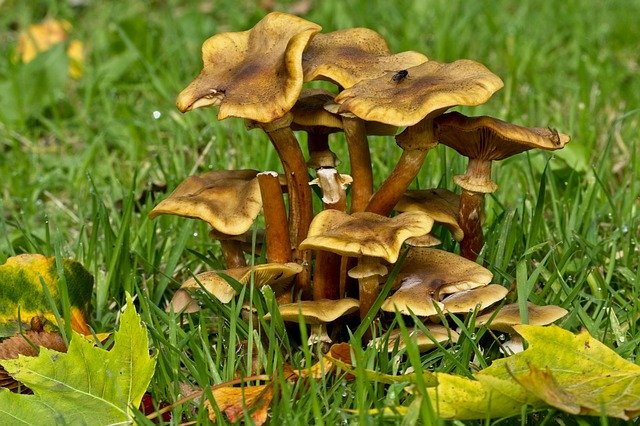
424 342
229 200
476 298
483 140
369 237
439 203
276 275
317 313
509 315
427 275
425 92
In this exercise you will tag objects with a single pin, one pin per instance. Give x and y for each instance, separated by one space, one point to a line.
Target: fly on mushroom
400 75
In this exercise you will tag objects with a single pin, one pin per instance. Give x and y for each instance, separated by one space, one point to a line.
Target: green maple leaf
86 385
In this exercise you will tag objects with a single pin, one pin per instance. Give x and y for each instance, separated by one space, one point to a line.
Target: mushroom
439 203
317 313
347 57
257 75
483 140
427 275
476 298
276 275
369 237
504 318
438 334
426 91
229 200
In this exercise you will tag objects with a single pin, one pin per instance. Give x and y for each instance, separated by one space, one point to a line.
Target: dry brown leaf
233 401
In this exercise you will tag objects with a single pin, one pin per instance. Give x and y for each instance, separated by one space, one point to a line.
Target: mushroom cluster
347 249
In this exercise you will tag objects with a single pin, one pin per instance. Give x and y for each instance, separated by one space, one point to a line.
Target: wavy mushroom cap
229 200
317 311
254 74
509 315
346 57
276 275
439 203
426 89
475 298
364 234
309 113
428 274
438 334
488 138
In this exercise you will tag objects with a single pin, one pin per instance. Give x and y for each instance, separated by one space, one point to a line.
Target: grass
76 155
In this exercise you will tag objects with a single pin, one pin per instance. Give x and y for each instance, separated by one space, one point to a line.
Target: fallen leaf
234 401
86 385
22 293
575 373
462 398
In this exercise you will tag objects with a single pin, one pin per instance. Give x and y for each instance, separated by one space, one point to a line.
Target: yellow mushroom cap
346 57
364 234
468 300
427 89
228 200
254 74
439 203
276 275
509 315
317 311
427 275
422 340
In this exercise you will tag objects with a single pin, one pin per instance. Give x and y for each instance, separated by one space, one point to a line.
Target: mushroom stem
389 193
326 276
360 160
275 217
300 209
416 141
367 272
233 253
471 208
317 143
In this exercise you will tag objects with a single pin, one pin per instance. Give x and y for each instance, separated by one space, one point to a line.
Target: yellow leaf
457 397
575 373
233 401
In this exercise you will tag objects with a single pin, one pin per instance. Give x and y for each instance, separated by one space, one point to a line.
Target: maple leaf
86 385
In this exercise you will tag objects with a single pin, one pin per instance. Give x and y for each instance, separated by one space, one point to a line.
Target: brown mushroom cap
439 203
309 113
254 74
317 311
468 300
423 341
276 275
348 56
429 88
364 234
509 315
487 138
426 275
228 200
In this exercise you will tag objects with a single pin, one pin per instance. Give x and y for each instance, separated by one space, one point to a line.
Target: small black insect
400 75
